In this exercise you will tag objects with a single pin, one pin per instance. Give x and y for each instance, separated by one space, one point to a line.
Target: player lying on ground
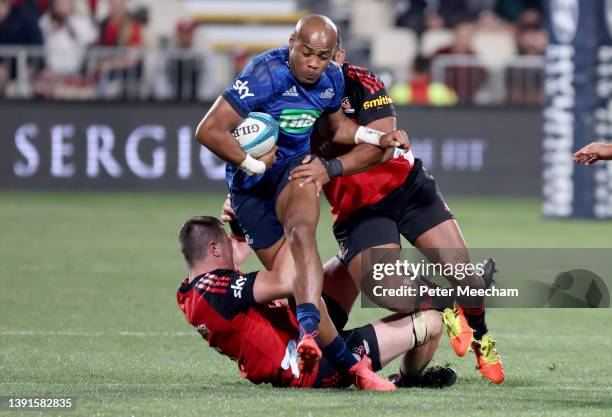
240 316
593 152
295 85
372 208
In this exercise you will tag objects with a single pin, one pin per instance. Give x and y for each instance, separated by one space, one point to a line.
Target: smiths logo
346 106
564 17
297 120
377 102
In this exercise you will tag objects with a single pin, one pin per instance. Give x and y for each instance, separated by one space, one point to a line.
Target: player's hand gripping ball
257 134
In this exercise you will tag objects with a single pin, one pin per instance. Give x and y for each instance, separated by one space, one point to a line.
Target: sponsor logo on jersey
377 102
243 90
329 93
238 286
346 105
297 120
291 92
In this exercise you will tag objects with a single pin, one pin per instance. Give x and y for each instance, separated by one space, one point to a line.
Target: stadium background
98 168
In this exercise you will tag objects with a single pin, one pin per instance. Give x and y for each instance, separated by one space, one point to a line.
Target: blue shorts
254 207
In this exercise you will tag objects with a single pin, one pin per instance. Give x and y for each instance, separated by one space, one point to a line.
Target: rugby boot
489 362
366 379
309 354
489 270
432 377
458 329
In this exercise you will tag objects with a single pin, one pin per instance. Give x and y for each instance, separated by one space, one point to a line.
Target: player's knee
301 234
434 324
427 326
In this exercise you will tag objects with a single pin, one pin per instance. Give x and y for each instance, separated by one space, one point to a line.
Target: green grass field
87 308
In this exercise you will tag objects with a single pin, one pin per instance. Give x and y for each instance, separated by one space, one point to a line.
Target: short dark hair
195 235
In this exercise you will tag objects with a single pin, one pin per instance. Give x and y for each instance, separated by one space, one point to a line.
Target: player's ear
292 40
340 56
213 249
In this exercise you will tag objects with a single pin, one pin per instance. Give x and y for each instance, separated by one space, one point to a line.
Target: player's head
339 52
311 47
203 241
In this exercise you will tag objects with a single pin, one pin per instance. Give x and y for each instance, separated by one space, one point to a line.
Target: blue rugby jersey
267 85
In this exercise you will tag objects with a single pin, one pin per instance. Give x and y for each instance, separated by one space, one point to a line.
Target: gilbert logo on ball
257 134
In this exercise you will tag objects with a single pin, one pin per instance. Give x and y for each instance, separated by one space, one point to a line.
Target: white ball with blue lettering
257 134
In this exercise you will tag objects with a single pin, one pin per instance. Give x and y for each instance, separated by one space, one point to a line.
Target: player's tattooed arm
215 133
343 130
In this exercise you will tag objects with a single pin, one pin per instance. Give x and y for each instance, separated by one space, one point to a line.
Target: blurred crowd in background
429 52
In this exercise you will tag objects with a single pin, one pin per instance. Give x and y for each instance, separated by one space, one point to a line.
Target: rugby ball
257 134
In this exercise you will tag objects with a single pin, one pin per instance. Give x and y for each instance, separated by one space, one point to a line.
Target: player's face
308 59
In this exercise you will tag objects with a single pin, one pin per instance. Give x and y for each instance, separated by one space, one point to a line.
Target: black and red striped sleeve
229 292
368 94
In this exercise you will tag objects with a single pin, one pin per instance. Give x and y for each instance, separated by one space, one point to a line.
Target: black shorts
411 210
361 341
254 207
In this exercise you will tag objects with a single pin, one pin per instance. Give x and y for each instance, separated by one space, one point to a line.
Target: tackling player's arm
343 130
365 156
361 158
215 133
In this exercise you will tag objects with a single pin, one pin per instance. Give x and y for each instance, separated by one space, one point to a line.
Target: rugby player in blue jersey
295 84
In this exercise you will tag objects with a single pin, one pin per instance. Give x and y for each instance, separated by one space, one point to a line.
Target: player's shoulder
355 71
272 61
334 71
362 76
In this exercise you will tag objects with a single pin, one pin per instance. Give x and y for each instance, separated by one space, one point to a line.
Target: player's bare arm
215 133
593 152
361 158
344 131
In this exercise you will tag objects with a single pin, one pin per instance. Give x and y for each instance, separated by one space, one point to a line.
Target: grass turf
87 307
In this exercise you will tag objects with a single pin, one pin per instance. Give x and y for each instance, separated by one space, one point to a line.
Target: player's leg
255 212
278 257
447 235
297 209
414 337
339 291
365 238
428 224
417 336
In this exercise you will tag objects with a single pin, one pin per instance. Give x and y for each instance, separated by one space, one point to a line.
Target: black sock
475 317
